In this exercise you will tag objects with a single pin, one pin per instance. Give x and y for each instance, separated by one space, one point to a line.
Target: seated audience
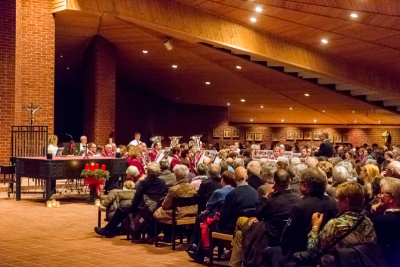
294 180
340 176
387 224
295 161
387 161
181 189
282 162
108 153
224 167
303 153
208 186
223 154
327 167
151 185
117 198
276 153
238 163
229 161
267 175
350 199
311 162
266 228
134 160
166 174
368 173
376 190
253 178
202 170
133 174
294 236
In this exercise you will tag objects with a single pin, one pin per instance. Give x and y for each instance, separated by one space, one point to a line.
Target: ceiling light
379 121
168 44
262 106
353 111
258 9
176 98
61 56
306 94
67 68
228 104
174 66
315 120
354 15
290 108
253 19
242 100
238 67
282 120
355 121
324 41
208 83
145 51
323 111
251 120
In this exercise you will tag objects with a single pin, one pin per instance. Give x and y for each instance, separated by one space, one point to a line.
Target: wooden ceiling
260 86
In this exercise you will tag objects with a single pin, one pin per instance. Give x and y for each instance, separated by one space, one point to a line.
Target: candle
97 202
103 168
87 167
92 168
49 204
96 167
53 202
58 204
118 150
110 141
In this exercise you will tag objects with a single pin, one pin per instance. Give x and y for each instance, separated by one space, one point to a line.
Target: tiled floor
33 235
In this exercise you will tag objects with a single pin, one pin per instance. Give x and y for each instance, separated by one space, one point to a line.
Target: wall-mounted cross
32 110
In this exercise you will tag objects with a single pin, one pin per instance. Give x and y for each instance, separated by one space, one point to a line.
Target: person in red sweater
177 156
134 160
157 150
108 153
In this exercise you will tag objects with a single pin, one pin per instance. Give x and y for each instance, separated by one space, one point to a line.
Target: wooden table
60 168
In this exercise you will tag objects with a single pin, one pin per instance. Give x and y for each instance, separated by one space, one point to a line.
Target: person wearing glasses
92 150
386 220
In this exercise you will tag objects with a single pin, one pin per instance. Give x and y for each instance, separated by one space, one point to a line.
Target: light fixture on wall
168 43
258 9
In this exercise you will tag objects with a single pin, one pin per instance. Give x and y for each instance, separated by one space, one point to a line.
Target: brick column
26 66
100 87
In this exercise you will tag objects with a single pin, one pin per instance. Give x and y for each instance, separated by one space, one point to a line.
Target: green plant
96 174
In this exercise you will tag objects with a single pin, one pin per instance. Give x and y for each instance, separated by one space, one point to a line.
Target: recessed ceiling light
258 9
354 15
306 94
228 104
145 51
174 66
253 19
242 100
290 108
324 41
315 120
176 98
355 121
323 111
61 56
282 120
379 121
251 120
238 67
262 106
353 111
67 68
208 83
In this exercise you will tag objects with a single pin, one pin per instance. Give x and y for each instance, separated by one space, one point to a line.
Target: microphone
70 136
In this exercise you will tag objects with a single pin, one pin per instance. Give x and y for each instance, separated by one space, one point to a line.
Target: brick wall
26 66
100 90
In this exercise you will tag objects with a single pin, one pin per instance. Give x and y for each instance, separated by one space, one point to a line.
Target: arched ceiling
287 34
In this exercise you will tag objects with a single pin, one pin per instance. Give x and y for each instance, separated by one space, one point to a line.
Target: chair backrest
202 202
183 202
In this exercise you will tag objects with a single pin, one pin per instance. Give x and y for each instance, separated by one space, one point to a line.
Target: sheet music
170 159
160 157
201 159
217 160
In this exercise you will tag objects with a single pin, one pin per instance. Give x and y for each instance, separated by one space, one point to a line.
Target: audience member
339 176
208 186
267 176
376 190
238 162
311 162
294 180
229 161
166 174
254 171
202 170
133 174
117 198
295 161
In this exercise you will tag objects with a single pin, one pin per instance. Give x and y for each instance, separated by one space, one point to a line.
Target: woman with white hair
132 173
339 176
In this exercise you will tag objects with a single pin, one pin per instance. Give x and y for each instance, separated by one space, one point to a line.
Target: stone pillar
26 66
100 88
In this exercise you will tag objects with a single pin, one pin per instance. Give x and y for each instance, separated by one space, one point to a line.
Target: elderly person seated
327 167
312 162
202 170
166 174
117 198
339 176
229 161
253 176
387 220
108 153
182 189
295 161
267 176
151 185
134 159
350 199
387 161
282 162
208 186
238 162
376 191
133 174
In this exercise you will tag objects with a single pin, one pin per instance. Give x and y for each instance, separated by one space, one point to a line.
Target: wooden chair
8 170
225 237
177 202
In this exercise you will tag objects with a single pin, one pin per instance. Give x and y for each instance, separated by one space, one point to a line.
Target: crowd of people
327 207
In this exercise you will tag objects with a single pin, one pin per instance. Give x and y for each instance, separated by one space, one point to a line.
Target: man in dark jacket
208 186
254 171
294 236
151 185
326 147
387 225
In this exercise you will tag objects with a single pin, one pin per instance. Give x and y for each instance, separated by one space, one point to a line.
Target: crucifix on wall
32 110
